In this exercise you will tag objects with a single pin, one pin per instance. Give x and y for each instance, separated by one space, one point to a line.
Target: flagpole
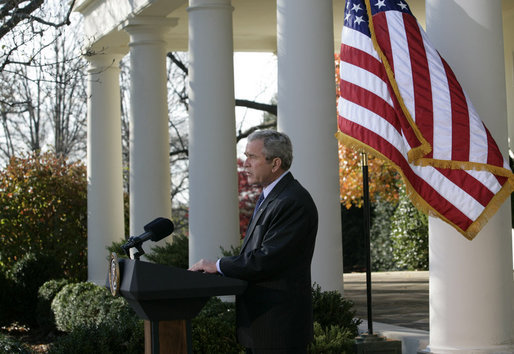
365 188
369 342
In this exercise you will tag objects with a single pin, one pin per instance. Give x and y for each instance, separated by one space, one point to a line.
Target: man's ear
276 164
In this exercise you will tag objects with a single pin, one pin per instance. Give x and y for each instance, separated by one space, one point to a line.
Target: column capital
99 61
210 5
148 28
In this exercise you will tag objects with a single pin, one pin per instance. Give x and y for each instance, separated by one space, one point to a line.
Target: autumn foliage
382 177
44 209
248 196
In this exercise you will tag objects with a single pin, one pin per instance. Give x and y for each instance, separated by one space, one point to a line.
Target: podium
160 293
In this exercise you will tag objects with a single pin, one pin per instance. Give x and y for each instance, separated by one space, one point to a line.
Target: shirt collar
266 190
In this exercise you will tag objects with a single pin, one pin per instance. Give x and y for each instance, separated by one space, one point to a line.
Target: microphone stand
134 244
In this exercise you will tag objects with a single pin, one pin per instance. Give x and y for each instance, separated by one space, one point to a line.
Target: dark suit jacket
275 311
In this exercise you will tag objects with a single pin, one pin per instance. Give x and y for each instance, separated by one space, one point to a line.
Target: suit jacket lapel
272 195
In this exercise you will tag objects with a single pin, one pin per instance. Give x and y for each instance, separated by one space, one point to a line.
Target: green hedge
46 294
86 304
95 321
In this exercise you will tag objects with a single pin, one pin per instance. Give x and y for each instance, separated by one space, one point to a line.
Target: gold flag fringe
425 207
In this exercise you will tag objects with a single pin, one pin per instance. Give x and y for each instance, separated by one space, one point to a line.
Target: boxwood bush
46 293
86 304
94 321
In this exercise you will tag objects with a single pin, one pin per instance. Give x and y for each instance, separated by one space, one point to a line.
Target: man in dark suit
274 314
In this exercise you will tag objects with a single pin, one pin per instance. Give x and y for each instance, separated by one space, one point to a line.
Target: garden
46 303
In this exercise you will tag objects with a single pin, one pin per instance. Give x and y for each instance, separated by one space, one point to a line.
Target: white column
150 180
471 286
213 200
307 113
105 222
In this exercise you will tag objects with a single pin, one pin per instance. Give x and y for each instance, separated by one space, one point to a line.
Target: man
274 314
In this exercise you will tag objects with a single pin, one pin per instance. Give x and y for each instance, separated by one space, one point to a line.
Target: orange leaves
382 178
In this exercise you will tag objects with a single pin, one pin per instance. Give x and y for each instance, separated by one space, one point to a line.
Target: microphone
155 230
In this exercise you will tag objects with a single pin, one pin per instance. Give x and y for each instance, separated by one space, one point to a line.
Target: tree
248 195
382 178
43 101
23 20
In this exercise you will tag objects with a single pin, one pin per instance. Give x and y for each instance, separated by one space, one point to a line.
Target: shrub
44 207
46 293
173 254
6 299
331 309
409 232
332 339
214 329
233 251
106 338
86 304
116 248
381 243
12 346
354 245
28 274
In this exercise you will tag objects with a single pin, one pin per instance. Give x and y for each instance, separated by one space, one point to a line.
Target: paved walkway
400 306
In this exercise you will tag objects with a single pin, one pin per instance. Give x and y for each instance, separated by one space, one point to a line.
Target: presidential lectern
167 298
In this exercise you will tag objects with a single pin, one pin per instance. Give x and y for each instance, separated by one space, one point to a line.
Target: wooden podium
167 298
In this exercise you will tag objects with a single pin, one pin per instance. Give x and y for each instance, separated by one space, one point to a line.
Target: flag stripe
396 95
479 144
370 101
427 192
460 118
422 89
442 131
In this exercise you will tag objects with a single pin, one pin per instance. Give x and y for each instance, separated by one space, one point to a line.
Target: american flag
401 101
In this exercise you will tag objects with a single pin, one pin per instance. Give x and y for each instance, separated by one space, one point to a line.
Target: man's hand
204 266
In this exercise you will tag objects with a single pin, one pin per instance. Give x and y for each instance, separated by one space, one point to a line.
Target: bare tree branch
15 14
270 108
266 125
178 62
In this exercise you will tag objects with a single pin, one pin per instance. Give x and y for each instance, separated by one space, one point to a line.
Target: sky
255 78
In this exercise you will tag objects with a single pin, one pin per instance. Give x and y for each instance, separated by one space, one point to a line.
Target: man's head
268 155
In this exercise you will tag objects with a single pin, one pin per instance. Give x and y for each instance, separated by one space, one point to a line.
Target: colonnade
470 282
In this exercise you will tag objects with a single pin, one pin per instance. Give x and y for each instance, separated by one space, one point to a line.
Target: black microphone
155 230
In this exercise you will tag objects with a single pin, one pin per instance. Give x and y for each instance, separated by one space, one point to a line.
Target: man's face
257 168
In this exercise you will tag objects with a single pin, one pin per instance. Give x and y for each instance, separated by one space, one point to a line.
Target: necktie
258 204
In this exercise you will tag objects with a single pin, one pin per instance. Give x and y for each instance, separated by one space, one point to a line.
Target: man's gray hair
276 144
